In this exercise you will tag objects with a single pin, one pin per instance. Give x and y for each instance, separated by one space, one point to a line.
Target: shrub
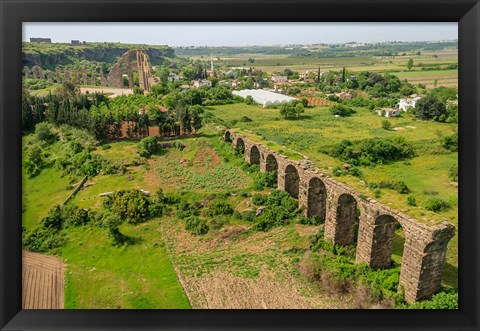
54 219
411 201
76 216
442 300
341 110
259 199
196 226
437 205
311 220
148 146
130 205
43 240
386 125
249 100
372 151
453 173
280 209
44 131
398 186
248 215
450 143
34 161
266 179
218 207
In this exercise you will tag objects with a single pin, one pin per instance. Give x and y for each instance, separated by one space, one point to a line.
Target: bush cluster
437 205
280 209
196 225
372 151
397 185
341 110
49 236
131 206
148 146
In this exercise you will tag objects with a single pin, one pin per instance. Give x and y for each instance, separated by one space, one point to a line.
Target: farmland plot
42 281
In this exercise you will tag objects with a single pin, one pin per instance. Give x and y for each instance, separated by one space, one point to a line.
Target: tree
430 107
44 131
344 74
148 146
386 125
318 75
410 64
292 109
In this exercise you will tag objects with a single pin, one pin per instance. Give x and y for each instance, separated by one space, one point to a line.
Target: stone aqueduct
424 248
130 62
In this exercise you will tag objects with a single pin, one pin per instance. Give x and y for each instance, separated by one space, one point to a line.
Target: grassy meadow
100 275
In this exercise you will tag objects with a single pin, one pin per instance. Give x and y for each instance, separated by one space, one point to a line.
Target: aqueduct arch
382 245
317 199
254 155
424 246
345 217
271 163
130 62
227 137
292 180
240 146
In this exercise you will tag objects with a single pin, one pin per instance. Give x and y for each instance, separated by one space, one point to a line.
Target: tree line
105 118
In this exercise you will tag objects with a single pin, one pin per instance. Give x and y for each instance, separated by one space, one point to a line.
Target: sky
240 34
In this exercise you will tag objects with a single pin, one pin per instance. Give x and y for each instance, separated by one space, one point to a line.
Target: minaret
211 62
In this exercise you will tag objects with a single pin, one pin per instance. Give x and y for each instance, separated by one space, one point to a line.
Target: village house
279 79
389 112
344 95
203 82
185 87
411 101
173 77
304 74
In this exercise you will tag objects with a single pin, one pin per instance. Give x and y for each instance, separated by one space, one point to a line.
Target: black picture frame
13 13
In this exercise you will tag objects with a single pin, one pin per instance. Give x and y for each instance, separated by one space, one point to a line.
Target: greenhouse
265 98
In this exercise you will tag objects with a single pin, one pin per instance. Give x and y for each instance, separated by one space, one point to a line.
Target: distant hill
48 56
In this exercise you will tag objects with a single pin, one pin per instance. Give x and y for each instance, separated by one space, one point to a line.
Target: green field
139 276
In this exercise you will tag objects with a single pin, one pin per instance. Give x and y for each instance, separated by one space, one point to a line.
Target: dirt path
42 281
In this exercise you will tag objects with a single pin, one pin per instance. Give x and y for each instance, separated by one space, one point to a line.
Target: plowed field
42 281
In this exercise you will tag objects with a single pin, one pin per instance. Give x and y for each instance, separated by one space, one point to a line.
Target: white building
389 112
279 79
265 98
200 83
173 77
411 101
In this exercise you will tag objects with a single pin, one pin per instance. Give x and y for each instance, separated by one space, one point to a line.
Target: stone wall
322 196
